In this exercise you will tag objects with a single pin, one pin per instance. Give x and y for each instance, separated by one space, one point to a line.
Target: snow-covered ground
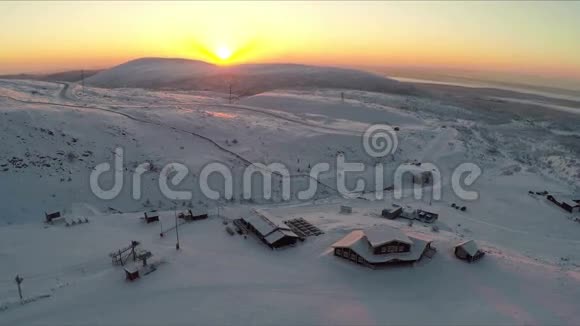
53 134
220 279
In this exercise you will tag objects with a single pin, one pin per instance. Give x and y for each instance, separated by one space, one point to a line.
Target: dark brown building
392 213
379 247
468 251
272 234
569 205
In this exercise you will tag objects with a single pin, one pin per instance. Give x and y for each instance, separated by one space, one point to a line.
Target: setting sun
223 52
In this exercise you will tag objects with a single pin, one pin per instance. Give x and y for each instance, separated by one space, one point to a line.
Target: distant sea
489 84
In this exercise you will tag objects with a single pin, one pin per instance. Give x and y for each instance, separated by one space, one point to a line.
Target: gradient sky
525 37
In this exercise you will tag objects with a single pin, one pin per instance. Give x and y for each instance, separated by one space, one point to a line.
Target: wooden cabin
131 273
272 234
468 251
381 247
345 209
193 216
392 213
49 218
151 219
567 204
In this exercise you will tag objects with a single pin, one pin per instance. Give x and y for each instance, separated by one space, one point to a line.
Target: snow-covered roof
266 227
349 239
274 236
571 201
357 242
196 211
377 237
469 246
131 268
262 224
287 232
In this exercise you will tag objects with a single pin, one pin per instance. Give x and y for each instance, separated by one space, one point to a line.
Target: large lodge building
379 247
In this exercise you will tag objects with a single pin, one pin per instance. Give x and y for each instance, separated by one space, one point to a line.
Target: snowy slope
150 73
55 134
530 275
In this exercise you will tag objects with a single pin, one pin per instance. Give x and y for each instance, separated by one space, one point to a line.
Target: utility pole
176 231
19 280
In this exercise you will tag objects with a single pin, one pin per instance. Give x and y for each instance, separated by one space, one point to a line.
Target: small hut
392 213
345 209
49 218
425 216
193 216
131 273
151 219
566 203
468 251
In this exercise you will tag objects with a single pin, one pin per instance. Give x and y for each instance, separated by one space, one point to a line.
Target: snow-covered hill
247 79
150 73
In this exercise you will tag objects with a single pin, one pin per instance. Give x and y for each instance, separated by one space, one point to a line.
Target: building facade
380 247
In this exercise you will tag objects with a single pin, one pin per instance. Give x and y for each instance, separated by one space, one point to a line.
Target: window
338 251
383 250
353 256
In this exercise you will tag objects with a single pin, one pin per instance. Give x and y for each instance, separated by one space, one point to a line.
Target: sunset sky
524 37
